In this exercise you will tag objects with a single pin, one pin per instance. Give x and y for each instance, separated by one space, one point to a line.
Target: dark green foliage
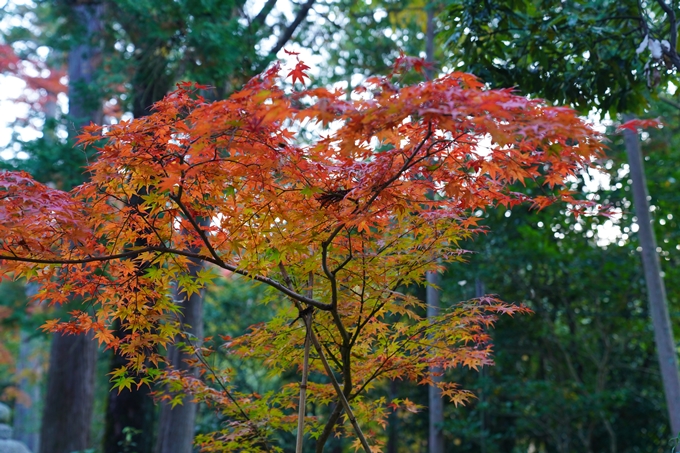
581 52
583 363
580 373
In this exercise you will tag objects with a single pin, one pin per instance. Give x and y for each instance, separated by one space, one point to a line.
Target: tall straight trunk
70 395
479 292
436 404
69 400
29 368
130 413
656 291
429 39
176 425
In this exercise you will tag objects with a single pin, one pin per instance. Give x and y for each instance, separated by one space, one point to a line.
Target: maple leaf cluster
385 193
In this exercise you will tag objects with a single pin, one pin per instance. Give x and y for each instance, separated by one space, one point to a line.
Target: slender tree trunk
429 39
69 400
130 413
656 291
84 105
436 404
130 416
479 292
302 406
30 368
176 425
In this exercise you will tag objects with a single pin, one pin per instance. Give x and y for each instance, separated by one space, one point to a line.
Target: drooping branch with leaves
394 179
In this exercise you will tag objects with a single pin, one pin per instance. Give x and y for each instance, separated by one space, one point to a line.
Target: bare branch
196 226
288 32
328 429
258 21
341 395
216 261
673 24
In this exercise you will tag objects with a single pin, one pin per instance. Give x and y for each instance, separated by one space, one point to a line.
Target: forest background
579 374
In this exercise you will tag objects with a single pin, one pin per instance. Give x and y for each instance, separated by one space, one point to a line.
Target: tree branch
334 284
673 24
195 225
258 21
341 395
328 429
288 32
218 262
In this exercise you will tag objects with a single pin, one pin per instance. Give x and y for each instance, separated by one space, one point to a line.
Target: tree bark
436 405
656 290
429 40
130 416
69 400
479 292
176 425
84 105
70 394
29 369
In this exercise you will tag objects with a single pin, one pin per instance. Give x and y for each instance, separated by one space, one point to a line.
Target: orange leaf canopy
365 194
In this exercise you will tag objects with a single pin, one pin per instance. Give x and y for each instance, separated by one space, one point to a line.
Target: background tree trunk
176 425
70 394
479 292
130 416
29 369
656 290
436 404
69 400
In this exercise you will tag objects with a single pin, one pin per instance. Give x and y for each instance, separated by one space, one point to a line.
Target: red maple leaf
634 125
299 72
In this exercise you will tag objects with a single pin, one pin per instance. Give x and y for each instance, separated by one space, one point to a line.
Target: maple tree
390 184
